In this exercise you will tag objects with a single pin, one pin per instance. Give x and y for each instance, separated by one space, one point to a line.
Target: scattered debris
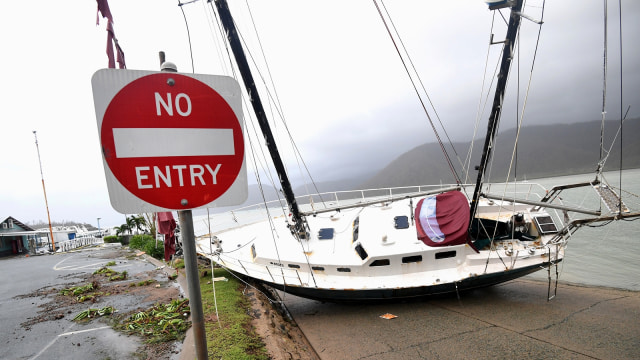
89 313
78 290
388 316
161 323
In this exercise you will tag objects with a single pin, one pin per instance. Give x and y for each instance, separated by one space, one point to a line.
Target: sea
606 256
601 256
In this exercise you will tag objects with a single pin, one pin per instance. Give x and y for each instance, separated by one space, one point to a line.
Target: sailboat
406 243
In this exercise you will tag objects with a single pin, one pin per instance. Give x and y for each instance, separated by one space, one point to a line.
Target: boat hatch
401 222
325 234
545 224
361 252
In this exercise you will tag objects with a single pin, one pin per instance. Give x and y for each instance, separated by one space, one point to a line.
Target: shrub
147 244
111 239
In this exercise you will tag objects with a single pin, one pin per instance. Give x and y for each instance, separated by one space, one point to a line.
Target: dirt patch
282 337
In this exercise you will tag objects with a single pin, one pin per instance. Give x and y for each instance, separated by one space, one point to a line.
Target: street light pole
99 231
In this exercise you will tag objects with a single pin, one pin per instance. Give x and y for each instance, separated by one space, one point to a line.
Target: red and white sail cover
443 220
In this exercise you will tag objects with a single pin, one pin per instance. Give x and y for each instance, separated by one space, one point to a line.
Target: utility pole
46 203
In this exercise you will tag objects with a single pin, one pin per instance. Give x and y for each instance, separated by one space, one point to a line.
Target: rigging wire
255 160
415 71
435 131
273 232
604 84
480 112
621 106
278 107
186 23
520 119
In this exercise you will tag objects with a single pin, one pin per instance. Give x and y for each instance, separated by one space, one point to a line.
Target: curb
188 350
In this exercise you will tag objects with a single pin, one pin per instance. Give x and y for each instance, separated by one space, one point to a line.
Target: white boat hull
391 263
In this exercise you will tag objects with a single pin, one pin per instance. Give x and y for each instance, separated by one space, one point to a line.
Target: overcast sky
341 86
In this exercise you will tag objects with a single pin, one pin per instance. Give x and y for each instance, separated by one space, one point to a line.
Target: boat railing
328 201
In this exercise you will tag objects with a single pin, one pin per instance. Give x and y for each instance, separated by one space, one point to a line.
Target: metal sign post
172 141
193 281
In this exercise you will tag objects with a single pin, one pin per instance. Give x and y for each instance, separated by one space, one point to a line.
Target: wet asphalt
509 321
512 320
23 298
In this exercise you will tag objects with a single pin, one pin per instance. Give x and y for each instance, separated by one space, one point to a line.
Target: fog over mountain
543 151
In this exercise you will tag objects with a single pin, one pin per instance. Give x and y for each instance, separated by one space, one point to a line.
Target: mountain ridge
543 151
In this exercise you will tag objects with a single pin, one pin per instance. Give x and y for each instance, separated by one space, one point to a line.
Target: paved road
63 338
511 321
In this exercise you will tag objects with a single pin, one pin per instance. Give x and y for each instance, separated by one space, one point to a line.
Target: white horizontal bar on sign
167 142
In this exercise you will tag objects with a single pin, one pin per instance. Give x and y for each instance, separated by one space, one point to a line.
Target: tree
131 224
151 223
122 229
137 222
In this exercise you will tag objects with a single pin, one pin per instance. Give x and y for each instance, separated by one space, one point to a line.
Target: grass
232 338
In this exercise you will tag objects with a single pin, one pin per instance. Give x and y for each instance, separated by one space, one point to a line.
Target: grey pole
193 282
191 263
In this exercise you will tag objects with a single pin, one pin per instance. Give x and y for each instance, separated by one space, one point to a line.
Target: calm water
604 256
608 255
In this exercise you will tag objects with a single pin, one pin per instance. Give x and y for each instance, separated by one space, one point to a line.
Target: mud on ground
281 335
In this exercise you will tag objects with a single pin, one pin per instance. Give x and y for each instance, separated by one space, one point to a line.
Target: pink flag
166 226
103 8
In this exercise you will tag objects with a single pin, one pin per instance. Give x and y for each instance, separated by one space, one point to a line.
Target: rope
213 282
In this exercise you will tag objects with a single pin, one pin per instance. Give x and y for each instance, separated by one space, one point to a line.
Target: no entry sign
170 141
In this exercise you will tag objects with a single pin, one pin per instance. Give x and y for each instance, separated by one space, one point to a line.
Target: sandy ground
283 338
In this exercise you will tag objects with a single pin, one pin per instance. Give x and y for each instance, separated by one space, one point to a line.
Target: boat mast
254 97
494 118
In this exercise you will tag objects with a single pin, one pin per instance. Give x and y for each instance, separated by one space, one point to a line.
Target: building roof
18 223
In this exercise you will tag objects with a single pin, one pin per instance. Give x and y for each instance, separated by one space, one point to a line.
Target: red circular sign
172 141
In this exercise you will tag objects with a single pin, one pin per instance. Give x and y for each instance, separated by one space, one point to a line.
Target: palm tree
131 224
122 229
137 222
